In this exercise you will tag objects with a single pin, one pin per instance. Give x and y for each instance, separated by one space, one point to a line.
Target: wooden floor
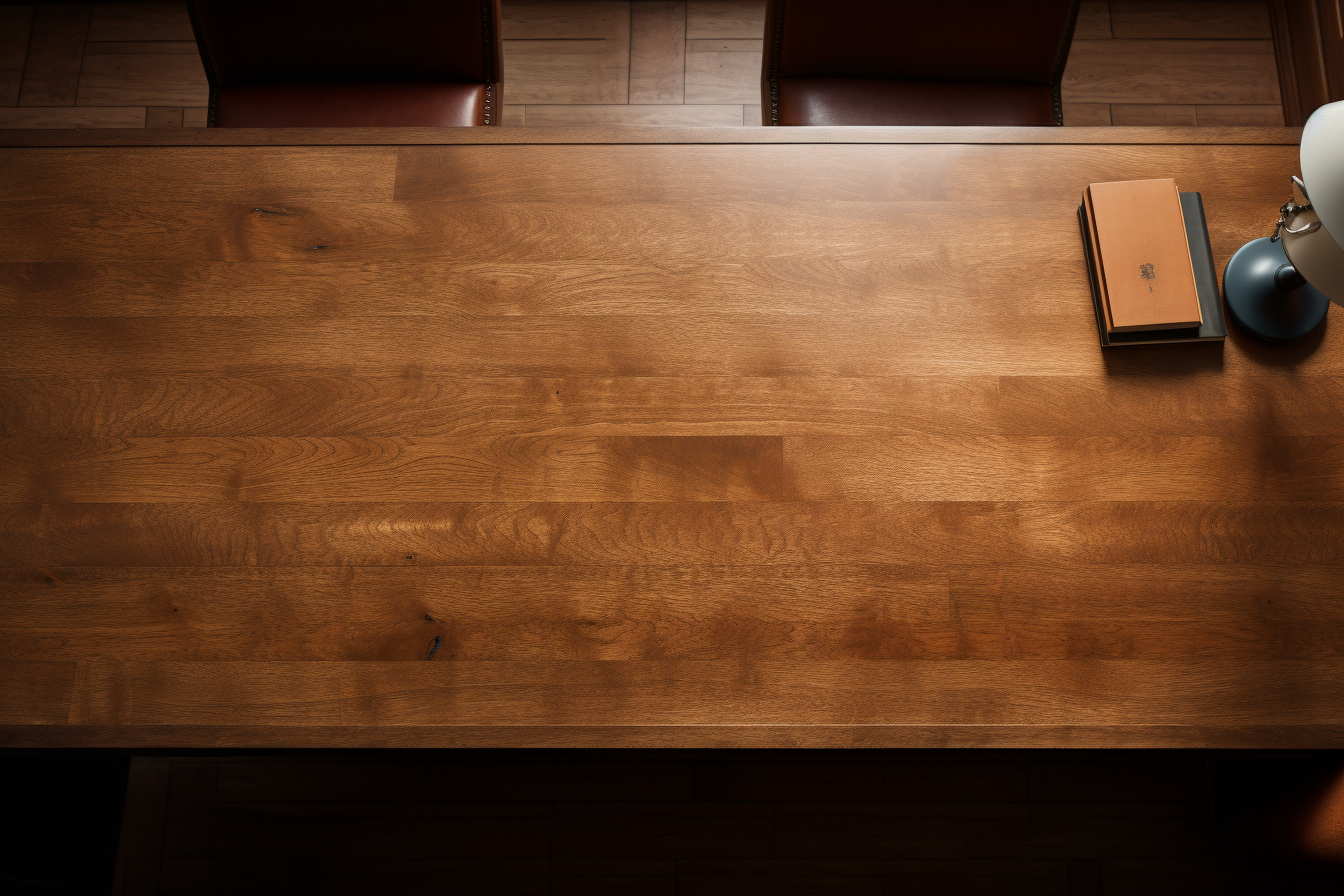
698 823
640 62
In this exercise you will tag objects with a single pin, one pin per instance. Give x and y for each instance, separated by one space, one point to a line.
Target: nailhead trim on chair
488 50
206 64
774 62
1061 57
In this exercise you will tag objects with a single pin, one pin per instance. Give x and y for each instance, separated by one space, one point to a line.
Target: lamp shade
1323 165
1312 238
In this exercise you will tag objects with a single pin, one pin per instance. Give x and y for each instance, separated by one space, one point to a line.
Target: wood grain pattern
262 470
1094 21
565 20
55 53
567 71
271 177
723 71
1087 115
1171 71
1266 407
1222 116
919 468
494 534
34 693
149 73
657 52
599 346
657 469
163 117
1186 19
572 51
818 611
725 19
266 736
16 23
488 407
140 21
73 117
673 692
1157 114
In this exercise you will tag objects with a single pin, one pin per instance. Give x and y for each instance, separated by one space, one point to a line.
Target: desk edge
646 135
691 736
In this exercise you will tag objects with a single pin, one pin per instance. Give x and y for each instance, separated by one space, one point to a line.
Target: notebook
1212 328
1142 252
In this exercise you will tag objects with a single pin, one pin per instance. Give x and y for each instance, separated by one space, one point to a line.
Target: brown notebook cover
1144 256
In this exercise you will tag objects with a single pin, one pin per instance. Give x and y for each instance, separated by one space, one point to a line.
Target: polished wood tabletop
681 438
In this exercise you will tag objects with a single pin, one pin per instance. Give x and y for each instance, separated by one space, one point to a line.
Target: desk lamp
1280 287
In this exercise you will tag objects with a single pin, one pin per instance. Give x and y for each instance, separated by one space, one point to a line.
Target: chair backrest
246 42
966 41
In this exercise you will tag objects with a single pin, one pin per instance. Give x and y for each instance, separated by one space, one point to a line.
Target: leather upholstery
897 62
416 104
863 101
355 62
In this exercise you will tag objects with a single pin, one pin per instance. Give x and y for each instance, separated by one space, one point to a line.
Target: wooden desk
678 442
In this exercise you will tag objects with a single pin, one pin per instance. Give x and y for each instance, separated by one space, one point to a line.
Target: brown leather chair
340 63
897 62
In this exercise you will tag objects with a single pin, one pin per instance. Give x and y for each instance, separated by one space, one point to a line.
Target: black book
1214 328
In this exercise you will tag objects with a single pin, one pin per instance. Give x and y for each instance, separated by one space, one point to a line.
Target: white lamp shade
1323 165
1317 255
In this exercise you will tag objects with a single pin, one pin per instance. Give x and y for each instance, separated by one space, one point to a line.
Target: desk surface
677 444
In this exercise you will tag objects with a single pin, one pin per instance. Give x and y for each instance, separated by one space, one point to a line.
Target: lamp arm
1289 210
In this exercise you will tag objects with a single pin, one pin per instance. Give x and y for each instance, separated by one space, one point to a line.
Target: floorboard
73 117
142 73
55 52
723 71
657 52
1156 114
163 117
16 24
1164 72
140 22
725 19
1189 20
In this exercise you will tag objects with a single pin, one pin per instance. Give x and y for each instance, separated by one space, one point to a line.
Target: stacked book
1150 264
